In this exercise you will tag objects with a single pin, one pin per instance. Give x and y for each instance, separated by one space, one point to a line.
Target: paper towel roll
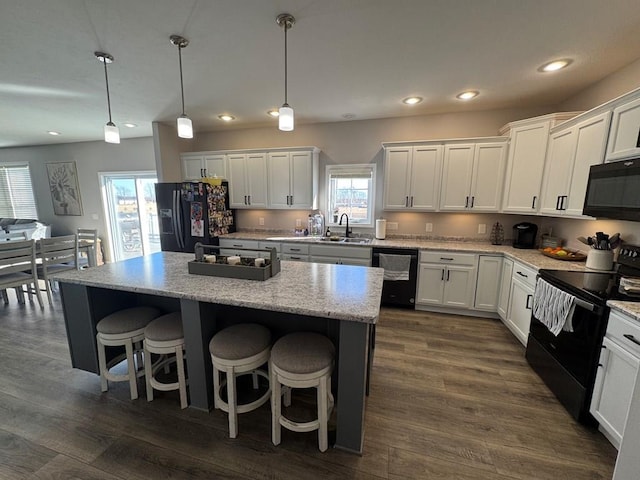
381 229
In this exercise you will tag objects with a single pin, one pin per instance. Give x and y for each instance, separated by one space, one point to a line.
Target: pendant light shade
185 127
285 119
111 132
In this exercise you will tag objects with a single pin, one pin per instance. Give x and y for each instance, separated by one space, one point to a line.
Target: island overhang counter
340 301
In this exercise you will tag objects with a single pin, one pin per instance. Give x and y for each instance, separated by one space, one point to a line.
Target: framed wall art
64 187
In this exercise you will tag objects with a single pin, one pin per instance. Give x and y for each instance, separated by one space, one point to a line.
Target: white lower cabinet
446 279
488 283
340 255
297 252
616 376
523 285
505 288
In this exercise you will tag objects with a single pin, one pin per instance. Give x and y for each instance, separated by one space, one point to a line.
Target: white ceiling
358 57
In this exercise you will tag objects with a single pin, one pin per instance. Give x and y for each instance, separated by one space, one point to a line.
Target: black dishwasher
398 293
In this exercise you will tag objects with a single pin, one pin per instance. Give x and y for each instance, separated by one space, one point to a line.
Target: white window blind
16 192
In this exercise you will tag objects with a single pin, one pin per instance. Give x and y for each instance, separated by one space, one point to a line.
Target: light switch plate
298 222
261 221
428 227
482 228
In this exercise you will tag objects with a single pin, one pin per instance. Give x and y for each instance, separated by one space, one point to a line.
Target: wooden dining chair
57 255
18 269
11 237
88 247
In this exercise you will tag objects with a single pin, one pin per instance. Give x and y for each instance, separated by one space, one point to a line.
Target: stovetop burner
598 287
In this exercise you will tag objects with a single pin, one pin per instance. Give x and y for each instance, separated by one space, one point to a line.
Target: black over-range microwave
613 191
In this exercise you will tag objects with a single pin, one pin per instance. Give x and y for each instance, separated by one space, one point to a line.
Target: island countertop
341 292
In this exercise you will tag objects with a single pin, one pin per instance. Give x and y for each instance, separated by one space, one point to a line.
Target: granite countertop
628 308
342 292
531 258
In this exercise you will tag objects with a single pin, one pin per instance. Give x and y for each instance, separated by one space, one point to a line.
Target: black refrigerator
191 212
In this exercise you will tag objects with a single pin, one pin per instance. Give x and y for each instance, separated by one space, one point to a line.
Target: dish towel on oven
396 267
553 307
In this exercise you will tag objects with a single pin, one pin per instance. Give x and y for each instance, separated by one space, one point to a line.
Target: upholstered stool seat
124 328
239 350
164 336
302 360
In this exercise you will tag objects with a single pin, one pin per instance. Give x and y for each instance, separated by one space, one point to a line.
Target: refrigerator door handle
178 216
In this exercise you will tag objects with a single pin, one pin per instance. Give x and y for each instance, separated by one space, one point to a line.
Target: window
16 192
350 190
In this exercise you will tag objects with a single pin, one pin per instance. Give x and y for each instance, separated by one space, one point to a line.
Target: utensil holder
600 259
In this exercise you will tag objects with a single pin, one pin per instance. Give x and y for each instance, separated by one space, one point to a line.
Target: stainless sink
355 240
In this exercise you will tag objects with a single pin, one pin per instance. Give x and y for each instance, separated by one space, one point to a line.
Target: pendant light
185 127
285 119
111 132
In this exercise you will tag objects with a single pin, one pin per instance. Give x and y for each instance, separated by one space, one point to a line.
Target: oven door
576 351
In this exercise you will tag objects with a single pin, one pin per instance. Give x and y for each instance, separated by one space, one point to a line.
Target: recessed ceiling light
130 125
273 113
55 134
468 95
555 65
226 118
412 100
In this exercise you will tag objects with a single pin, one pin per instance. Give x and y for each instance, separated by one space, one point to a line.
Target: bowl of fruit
560 253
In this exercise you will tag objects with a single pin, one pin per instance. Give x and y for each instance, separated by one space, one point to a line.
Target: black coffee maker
524 235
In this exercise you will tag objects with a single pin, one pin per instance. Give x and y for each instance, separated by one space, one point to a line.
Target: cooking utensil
583 240
614 241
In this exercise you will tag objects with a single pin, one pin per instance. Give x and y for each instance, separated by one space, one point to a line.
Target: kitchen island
339 301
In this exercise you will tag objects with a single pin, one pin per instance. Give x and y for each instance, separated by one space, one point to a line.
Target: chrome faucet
347 231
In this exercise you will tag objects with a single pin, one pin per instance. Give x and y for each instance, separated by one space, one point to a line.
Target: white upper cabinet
525 164
412 177
293 179
199 165
624 136
472 176
247 180
573 147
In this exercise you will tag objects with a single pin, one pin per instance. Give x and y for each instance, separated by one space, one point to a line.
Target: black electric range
568 362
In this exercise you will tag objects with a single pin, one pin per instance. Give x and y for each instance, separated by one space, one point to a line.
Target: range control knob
634 254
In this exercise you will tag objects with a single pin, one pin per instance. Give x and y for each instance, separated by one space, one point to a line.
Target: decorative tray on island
245 268
564 254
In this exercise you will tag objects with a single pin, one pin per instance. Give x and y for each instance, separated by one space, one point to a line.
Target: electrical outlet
261 221
392 225
482 228
298 222
428 227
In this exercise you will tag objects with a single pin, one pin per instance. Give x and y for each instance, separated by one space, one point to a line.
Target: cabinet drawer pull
238 245
296 258
522 274
628 336
527 306
295 249
533 203
448 259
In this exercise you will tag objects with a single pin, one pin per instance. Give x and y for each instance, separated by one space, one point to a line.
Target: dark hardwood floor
451 398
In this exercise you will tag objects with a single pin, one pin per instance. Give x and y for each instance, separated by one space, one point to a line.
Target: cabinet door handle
245 200
533 203
296 258
406 201
628 336
638 141
205 172
442 277
448 272
558 202
529 297
466 202
238 245
473 199
412 200
249 197
563 205
522 274
295 249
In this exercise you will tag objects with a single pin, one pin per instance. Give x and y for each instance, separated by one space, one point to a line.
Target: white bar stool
301 360
239 350
124 328
164 336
